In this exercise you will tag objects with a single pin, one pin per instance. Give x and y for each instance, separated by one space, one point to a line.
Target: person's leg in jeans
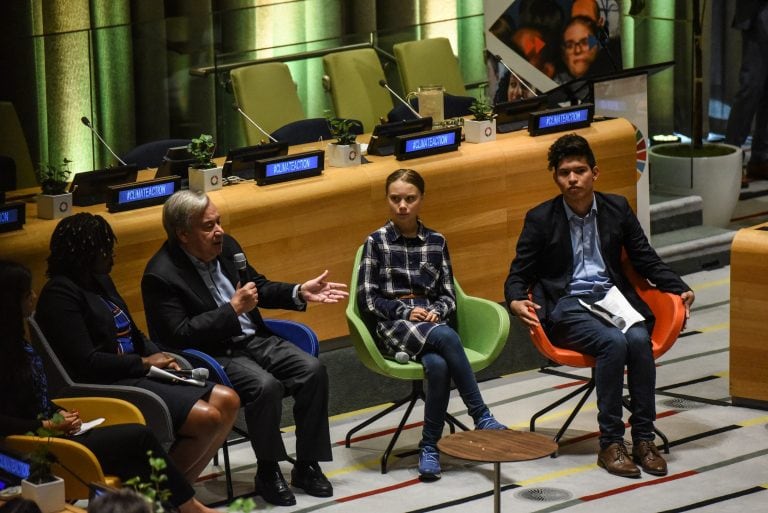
641 382
575 328
444 341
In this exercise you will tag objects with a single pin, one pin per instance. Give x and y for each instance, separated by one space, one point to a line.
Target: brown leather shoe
645 454
615 459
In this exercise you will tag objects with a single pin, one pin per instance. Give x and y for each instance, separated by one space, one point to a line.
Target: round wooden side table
497 446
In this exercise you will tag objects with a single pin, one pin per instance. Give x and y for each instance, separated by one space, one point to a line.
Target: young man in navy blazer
569 251
194 296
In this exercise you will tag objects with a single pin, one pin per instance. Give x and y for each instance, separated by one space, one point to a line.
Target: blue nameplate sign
431 142
142 194
560 120
12 216
289 167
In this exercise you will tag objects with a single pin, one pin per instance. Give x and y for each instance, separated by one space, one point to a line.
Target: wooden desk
749 326
496 446
477 197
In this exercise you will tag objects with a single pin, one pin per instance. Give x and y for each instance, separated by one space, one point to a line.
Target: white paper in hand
615 309
87 426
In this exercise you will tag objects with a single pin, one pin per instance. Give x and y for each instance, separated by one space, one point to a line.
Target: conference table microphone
383 83
498 58
87 122
242 113
241 265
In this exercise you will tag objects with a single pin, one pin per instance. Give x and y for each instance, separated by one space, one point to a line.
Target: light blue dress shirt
589 273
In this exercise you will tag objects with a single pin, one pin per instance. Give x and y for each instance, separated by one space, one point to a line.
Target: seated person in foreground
91 330
406 291
121 449
570 251
194 298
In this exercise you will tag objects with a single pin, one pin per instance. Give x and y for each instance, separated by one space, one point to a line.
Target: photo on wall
550 42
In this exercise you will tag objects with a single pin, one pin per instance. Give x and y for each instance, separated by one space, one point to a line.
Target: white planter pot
48 496
479 131
716 179
205 180
54 206
343 155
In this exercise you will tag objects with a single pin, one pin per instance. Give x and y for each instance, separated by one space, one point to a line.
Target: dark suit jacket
81 330
544 258
182 313
746 12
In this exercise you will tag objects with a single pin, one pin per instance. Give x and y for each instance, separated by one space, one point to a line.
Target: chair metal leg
227 470
396 435
417 392
584 389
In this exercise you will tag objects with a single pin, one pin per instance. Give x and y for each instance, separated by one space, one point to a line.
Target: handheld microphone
242 113
87 123
383 83
240 264
402 357
498 58
200 373
162 374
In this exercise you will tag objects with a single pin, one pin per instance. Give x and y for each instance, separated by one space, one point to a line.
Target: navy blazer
544 258
81 329
182 313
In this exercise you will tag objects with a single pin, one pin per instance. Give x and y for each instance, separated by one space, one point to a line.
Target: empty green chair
482 325
267 94
353 81
429 62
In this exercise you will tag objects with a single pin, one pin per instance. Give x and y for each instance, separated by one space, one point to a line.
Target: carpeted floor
718 460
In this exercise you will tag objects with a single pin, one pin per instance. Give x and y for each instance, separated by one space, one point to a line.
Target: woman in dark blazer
89 327
121 449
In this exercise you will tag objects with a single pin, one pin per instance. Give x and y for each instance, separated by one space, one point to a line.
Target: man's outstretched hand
318 290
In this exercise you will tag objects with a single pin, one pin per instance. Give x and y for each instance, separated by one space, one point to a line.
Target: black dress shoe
273 488
312 480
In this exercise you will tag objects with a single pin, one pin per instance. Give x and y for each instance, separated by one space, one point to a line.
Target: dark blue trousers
576 328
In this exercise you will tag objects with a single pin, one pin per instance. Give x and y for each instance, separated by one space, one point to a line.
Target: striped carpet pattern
718 460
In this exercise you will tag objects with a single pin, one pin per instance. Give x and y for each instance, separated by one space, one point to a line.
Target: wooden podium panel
749 324
477 197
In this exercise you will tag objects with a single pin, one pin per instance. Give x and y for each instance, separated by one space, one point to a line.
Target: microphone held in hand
241 265
87 122
383 83
200 373
164 375
252 122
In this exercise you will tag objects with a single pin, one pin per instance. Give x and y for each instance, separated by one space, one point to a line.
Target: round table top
497 445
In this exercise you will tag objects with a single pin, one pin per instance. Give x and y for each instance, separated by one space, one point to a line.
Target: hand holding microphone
246 296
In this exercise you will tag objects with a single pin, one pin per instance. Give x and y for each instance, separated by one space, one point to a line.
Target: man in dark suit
194 298
569 252
751 100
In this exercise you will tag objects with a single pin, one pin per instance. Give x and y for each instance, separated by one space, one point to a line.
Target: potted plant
42 487
204 175
345 151
153 492
54 202
483 127
712 171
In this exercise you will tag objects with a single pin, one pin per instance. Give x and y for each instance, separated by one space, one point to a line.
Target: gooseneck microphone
383 83
242 113
87 122
498 58
240 264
